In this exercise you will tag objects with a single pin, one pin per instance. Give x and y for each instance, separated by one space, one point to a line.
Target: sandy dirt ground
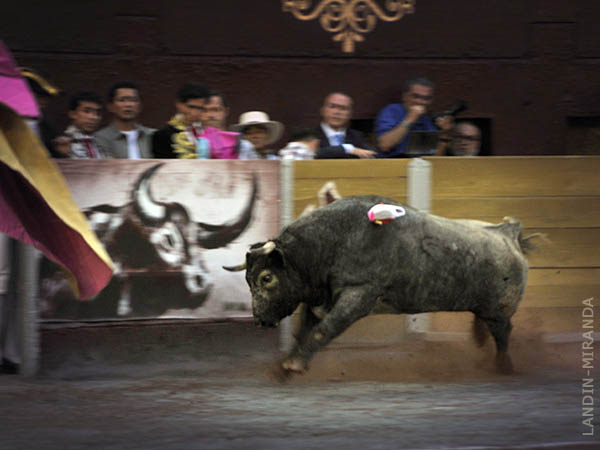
209 386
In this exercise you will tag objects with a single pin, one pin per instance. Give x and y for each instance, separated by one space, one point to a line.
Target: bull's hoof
504 365
294 365
284 370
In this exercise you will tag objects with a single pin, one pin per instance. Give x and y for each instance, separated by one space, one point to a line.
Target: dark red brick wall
524 65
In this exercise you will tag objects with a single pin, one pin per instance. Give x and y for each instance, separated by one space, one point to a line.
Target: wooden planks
516 176
538 212
350 168
561 288
567 247
352 177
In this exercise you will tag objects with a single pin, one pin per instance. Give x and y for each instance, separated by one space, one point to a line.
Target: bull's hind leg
500 328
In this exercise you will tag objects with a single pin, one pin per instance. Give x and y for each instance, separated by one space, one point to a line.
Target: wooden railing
556 196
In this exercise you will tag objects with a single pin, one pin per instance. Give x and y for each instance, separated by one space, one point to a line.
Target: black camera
453 110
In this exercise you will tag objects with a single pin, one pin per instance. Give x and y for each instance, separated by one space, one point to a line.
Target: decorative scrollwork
349 19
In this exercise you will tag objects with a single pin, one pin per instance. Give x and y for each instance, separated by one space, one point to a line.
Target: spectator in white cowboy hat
261 132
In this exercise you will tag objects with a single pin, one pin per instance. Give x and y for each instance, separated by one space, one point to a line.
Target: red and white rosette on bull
384 213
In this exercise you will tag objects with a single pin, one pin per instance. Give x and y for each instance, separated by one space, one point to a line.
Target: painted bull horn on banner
339 267
209 236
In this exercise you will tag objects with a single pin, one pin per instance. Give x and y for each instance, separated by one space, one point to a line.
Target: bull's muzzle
265 324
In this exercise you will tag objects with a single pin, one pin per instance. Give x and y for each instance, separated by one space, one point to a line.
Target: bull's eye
267 279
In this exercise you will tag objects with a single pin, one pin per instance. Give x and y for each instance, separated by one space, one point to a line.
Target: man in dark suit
337 140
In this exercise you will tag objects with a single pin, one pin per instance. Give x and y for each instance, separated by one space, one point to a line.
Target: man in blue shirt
395 122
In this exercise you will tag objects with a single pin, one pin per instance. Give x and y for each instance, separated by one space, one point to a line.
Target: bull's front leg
352 304
308 320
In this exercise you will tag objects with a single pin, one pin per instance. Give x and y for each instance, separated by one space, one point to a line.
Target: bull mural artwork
339 266
157 250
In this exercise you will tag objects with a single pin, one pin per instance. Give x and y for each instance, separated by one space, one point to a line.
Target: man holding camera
395 122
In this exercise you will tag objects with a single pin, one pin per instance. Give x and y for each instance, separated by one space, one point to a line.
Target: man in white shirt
304 145
125 138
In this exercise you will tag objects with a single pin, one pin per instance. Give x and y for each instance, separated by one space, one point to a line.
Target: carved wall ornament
349 19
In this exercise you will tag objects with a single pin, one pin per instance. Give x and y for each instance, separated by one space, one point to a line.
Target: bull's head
207 235
177 239
271 282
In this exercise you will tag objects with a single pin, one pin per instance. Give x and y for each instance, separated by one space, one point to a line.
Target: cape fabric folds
14 91
37 208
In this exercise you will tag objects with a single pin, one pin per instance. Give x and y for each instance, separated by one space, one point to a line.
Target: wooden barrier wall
557 196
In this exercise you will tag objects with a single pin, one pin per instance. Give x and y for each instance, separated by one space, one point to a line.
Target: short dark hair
303 134
112 92
84 96
191 91
214 93
420 81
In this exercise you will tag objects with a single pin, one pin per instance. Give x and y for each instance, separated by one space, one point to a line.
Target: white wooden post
419 196
286 216
27 308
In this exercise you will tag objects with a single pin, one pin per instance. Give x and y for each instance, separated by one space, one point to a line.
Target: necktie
91 151
338 138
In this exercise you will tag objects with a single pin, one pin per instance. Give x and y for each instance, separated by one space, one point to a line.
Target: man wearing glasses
466 140
395 122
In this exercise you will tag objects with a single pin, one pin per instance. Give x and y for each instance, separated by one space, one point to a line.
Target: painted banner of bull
168 226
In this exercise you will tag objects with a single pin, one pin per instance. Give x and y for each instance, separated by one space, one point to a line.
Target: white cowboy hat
275 129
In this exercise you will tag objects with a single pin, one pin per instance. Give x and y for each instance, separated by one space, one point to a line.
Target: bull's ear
257 245
277 257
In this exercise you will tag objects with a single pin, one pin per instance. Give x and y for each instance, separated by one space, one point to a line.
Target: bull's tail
526 244
480 331
513 229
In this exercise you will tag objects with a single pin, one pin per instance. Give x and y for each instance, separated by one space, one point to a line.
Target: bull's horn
237 268
264 250
148 209
215 236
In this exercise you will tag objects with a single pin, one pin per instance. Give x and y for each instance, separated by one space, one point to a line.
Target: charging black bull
341 267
